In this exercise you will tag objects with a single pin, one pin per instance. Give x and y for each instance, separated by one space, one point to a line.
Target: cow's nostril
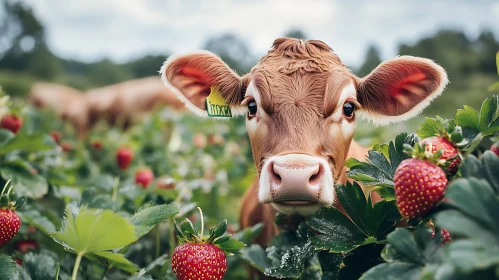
316 175
274 174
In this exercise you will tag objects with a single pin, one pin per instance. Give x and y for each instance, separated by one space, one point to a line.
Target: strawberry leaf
118 260
26 183
255 255
220 229
87 230
231 246
187 228
8 268
381 164
476 125
367 224
146 218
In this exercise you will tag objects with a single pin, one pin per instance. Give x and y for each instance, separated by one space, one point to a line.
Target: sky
90 30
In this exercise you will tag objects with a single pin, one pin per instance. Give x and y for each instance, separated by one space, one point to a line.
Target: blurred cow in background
68 103
125 103
119 105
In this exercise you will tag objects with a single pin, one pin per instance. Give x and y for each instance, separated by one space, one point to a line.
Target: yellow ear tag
216 105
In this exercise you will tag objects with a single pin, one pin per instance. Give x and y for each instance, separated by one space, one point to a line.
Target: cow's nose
295 183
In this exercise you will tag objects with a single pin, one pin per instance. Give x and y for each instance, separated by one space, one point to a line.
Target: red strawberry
97 145
419 186
56 136
434 144
199 261
144 177
124 157
25 246
202 257
12 123
18 261
494 148
445 234
9 225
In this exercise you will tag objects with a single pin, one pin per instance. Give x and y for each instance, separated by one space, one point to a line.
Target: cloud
121 29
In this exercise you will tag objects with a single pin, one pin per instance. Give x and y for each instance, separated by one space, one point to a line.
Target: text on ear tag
216 105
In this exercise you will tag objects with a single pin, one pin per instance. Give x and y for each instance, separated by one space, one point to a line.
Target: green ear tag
216 105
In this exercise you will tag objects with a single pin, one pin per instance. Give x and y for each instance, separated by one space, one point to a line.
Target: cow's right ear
192 76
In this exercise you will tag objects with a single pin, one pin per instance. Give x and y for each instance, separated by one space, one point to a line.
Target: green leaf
462 226
393 271
471 255
403 242
5 136
330 265
476 199
336 232
494 87
431 127
467 117
8 268
35 218
249 233
379 169
289 263
41 266
29 143
118 260
187 228
26 183
88 230
220 229
368 223
231 246
256 257
145 219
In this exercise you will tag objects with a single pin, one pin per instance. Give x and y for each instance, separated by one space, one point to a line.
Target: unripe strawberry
419 186
450 152
12 123
124 157
494 148
9 225
144 177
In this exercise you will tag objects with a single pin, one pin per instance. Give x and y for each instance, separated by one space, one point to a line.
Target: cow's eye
252 108
348 109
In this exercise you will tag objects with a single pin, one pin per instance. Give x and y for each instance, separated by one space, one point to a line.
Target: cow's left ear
400 88
192 77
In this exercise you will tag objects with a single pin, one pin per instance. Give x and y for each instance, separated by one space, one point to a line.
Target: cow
301 104
124 103
69 104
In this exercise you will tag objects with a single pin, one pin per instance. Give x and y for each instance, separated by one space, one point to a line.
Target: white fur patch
380 119
188 104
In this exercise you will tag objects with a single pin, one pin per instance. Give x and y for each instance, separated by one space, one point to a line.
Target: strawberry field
116 204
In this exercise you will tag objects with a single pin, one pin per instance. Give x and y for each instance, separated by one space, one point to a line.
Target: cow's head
301 104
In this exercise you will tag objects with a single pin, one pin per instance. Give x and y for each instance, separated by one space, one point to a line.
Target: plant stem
171 241
5 186
115 188
59 266
158 242
77 265
202 221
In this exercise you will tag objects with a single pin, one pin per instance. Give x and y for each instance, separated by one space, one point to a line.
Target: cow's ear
193 76
400 88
